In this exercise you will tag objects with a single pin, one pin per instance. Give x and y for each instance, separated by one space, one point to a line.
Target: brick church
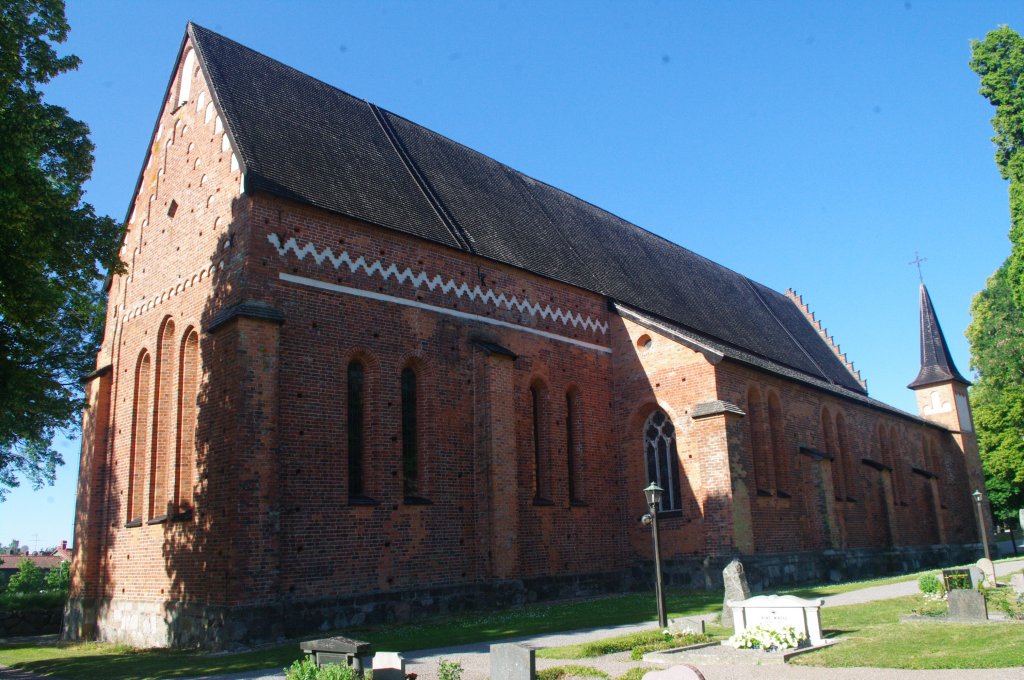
356 372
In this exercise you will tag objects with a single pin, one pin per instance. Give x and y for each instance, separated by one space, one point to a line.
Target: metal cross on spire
918 260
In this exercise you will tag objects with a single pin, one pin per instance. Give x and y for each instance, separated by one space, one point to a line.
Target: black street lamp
653 493
981 524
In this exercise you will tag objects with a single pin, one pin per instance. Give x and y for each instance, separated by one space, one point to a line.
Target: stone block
736 589
1017 581
513 662
967 605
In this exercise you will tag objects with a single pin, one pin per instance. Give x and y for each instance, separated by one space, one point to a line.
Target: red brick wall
245 422
865 521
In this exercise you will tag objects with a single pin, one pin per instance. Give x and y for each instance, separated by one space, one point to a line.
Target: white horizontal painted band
334 288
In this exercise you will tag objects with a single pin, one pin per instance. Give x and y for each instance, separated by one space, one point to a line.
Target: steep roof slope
307 141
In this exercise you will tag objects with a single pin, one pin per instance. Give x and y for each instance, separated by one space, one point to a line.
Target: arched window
188 392
760 450
185 84
356 420
661 459
828 433
573 445
538 397
899 479
778 443
885 448
410 434
140 438
164 423
846 456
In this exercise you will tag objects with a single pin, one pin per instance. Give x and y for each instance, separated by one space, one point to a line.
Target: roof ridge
798 300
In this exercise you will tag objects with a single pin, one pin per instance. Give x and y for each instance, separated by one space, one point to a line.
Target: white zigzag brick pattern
449 286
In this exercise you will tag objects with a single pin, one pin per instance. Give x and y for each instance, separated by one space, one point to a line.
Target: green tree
996 332
55 248
28 578
59 578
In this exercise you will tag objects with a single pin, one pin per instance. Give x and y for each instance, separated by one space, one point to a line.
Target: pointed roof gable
936 363
307 141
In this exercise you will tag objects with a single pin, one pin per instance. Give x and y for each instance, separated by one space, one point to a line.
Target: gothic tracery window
661 459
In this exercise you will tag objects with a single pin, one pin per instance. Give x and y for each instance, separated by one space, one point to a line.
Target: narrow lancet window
536 399
410 443
572 446
356 388
140 437
188 391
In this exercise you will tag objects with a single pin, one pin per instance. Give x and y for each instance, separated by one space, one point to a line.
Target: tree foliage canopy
996 332
54 247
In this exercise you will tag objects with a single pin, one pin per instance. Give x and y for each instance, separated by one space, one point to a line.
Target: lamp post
653 493
981 524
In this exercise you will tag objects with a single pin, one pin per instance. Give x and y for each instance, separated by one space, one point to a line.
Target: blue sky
808 145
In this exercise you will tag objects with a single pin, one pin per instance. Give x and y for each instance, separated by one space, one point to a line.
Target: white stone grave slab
779 611
388 666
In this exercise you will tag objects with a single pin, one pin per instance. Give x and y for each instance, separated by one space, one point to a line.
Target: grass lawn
117 662
873 632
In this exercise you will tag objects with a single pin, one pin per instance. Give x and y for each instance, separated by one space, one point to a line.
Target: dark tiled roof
716 351
936 363
307 141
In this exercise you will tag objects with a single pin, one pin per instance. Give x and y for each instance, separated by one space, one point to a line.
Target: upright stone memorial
1017 581
736 589
989 571
967 605
513 662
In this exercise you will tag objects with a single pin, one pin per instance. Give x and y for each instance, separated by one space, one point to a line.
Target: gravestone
977 576
736 589
989 570
777 612
683 625
1017 581
513 662
388 666
681 672
1021 518
967 605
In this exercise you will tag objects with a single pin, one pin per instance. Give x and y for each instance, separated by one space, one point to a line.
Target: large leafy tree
996 332
53 247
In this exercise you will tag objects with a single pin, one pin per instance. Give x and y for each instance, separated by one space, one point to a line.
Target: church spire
936 363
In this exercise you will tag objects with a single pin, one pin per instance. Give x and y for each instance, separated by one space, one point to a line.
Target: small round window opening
644 342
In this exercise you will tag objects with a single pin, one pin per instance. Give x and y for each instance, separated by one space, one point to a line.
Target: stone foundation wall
154 624
824 566
29 622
